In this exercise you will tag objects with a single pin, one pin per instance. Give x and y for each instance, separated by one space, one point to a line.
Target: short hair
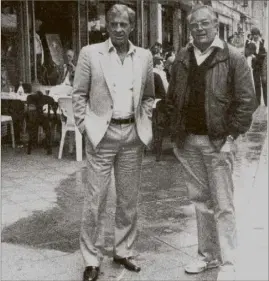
157 61
70 50
158 44
200 6
155 50
122 8
255 31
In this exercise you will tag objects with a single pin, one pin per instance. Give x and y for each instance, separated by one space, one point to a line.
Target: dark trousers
259 86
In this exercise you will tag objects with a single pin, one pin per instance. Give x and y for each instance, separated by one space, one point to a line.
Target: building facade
62 25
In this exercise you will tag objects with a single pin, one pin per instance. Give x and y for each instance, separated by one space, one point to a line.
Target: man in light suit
112 102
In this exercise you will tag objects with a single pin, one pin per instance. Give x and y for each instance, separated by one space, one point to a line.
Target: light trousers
208 176
122 149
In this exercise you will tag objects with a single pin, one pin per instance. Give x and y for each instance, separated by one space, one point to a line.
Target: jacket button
111 106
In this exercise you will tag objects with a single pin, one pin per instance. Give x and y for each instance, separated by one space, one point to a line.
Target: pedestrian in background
264 78
169 60
250 50
249 39
112 102
210 100
156 50
257 64
159 114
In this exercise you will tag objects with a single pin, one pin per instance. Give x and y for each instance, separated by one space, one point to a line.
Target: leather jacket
229 96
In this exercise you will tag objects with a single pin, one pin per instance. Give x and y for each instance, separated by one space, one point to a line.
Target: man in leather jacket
210 102
257 65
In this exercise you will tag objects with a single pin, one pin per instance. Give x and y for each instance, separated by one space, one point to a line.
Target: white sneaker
227 273
200 266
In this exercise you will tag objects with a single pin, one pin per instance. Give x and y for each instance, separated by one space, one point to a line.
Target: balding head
203 24
70 55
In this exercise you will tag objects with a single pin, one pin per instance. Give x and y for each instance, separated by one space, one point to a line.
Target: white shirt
122 80
202 56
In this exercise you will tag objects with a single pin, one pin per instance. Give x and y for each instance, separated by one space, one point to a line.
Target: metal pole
78 27
27 41
33 37
87 20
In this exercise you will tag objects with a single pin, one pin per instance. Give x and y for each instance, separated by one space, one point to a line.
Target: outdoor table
13 96
23 97
10 102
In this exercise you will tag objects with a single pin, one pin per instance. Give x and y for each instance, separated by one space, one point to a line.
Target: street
42 199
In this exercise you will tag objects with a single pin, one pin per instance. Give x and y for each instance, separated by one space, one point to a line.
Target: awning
225 10
225 20
9 22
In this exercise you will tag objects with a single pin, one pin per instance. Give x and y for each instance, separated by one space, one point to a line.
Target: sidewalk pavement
41 207
253 225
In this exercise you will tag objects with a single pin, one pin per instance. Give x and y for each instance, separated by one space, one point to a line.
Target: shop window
221 30
96 23
167 32
245 3
52 38
97 11
9 45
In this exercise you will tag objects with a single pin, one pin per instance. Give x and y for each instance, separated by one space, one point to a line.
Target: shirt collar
217 43
132 48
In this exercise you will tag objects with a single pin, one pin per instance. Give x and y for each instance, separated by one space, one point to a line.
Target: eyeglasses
115 25
202 24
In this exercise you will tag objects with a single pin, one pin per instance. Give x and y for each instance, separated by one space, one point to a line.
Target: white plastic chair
8 119
68 124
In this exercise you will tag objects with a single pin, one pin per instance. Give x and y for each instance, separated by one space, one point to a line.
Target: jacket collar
221 55
107 47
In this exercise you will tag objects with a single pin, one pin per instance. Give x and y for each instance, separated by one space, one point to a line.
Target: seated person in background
67 72
65 76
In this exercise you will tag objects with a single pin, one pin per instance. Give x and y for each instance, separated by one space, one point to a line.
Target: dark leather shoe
90 273
127 264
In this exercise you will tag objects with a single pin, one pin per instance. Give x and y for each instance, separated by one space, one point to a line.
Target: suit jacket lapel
106 66
137 72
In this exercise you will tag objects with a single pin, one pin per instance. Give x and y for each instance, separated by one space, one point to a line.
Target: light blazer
93 90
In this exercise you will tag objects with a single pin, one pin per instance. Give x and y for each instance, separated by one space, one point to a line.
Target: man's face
69 56
38 24
119 28
203 28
